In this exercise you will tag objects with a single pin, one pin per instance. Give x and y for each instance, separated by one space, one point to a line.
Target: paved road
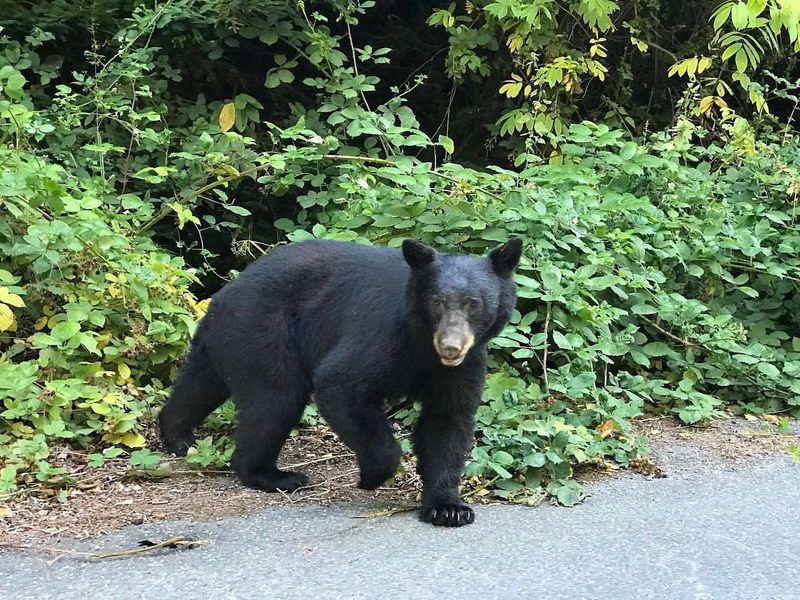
726 533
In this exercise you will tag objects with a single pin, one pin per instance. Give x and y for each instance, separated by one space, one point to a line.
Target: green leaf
113 452
628 151
284 224
502 457
731 50
561 340
551 276
769 370
741 61
446 143
740 15
538 340
656 349
299 235
65 330
144 458
237 210
695 270
568 493
536 459
643 309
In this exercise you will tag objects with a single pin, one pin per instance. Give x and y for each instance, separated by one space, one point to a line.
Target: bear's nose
450 351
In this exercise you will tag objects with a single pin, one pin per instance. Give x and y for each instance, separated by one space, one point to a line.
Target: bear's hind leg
197 391
361 424
263 422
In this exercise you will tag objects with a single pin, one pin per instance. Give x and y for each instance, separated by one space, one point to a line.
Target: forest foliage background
645 150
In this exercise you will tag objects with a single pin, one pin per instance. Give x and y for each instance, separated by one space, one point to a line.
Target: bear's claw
448 514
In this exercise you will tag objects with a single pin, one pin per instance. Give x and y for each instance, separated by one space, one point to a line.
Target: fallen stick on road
144 546
388 512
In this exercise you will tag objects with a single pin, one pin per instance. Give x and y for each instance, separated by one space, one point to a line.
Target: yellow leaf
113 398
40 324
705 104
230 170
511 89
10 298
5 512
133 440
19 430
103 339
123 370
227 116
605 429
6 318
750 417
771 419
201 307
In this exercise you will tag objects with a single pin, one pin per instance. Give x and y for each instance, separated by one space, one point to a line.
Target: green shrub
658 274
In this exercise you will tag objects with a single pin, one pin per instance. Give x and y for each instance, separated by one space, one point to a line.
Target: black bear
354 326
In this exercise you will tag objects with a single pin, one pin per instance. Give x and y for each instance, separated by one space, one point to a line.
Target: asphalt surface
726 533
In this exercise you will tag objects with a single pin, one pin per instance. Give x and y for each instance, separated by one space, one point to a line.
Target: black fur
353 325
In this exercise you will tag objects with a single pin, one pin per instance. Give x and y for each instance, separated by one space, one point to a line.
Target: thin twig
387 512
327 457
545 350
486 485
670 335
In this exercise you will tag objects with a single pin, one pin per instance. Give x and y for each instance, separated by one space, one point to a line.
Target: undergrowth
659 274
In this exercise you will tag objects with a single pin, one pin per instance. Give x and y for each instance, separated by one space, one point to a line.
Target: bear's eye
473 304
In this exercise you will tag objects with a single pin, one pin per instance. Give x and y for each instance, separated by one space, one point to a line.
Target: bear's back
315 264
339 280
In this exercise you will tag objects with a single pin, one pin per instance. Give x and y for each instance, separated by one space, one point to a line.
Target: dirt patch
676 448
727 442
109 500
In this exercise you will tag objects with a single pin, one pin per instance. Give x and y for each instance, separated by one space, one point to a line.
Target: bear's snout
453 339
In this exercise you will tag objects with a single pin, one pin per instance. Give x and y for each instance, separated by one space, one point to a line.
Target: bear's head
463 301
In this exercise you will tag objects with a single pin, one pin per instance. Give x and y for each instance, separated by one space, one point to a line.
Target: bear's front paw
447 514
179 445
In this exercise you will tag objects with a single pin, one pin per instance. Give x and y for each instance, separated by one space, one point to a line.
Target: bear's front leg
442 439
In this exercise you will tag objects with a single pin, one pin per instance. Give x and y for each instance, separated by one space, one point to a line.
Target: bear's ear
506 257
417 254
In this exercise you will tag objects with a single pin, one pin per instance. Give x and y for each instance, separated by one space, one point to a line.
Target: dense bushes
659 273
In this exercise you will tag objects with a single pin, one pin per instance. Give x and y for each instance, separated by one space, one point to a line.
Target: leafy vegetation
141 169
